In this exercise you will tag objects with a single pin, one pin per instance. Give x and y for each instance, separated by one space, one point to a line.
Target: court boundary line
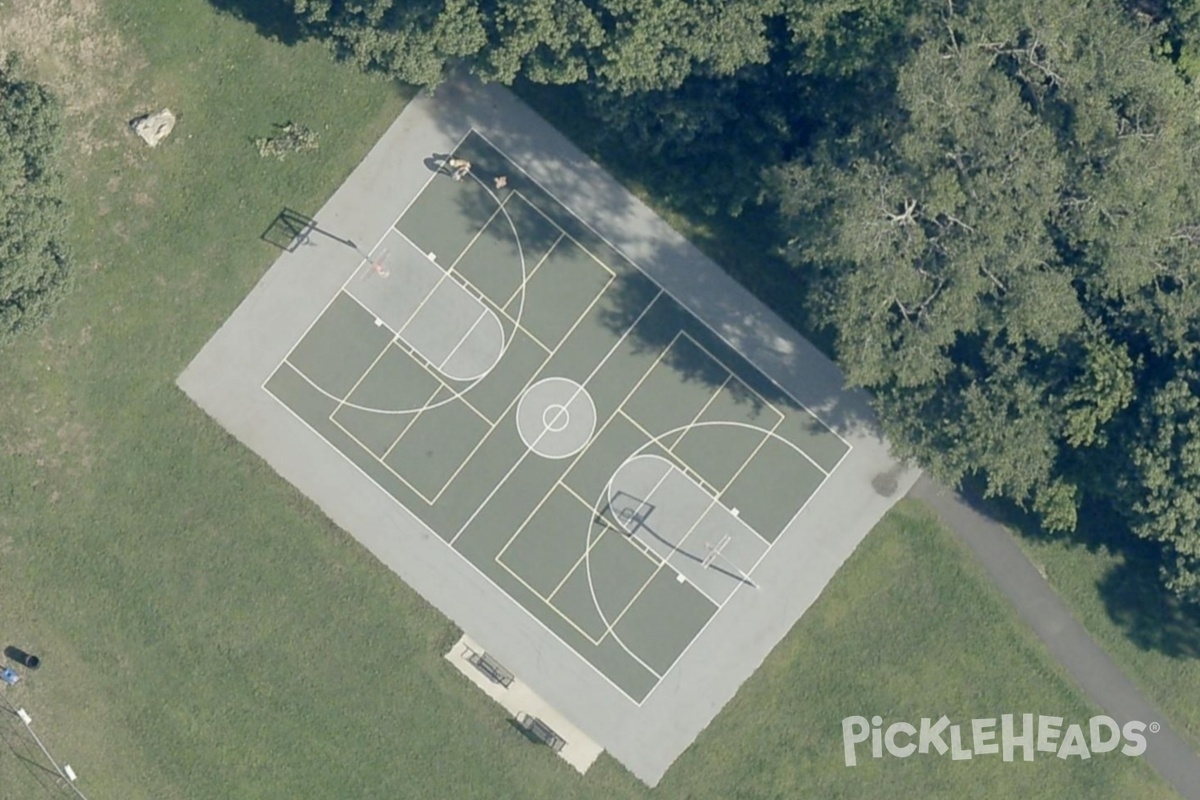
422 362
612 626
712 502
358 265
463 281
515 400
583 384
662 290
562 614
657 283
711 398
535 269
576 458
467 561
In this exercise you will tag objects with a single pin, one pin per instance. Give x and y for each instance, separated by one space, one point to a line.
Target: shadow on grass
1149 615
291 230
22 749
274 19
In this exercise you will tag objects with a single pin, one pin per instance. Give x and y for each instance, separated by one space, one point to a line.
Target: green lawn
1112 587
206 632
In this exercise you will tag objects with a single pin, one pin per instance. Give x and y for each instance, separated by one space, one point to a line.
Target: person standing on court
460 166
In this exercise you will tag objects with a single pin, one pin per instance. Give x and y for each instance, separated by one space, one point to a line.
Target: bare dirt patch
74 50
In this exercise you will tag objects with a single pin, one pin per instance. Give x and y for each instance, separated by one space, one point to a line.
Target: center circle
556 417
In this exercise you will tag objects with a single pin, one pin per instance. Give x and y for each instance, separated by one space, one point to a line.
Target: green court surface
557 419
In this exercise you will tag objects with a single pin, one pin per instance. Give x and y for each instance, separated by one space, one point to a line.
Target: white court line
517 398
383 463
595 436
353 272
583 384
712 502
482 316
683 305
525 281
546 217
422 362
592 640
711 398
687 468
480 295
467 561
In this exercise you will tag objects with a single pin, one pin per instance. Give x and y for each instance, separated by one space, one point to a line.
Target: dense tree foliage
624 45
34 266
1013 265
988 202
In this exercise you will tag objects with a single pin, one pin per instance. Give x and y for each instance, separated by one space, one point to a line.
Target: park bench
542 732
492 668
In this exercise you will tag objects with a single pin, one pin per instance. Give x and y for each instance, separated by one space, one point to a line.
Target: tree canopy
34 264
1013 267
622 45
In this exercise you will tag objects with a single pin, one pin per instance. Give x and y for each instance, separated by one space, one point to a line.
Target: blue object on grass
8 676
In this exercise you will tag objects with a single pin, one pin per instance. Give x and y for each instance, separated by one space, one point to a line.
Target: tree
34 261
623 45
1009 260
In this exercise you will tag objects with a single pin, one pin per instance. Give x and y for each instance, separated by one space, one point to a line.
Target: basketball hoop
715 551
379 264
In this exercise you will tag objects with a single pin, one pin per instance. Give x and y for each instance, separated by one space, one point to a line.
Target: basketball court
556 418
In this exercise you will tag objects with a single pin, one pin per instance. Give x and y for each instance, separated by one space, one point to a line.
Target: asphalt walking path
1040 606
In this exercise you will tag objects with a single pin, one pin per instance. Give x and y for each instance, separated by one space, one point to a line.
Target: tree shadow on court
273 19
764 336
1150 616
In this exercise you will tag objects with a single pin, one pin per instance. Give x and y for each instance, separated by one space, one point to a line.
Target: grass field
206 633
1111 586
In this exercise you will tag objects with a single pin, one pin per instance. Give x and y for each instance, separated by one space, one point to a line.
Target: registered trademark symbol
1154 727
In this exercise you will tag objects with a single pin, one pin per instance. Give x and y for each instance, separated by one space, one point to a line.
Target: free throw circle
556 417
